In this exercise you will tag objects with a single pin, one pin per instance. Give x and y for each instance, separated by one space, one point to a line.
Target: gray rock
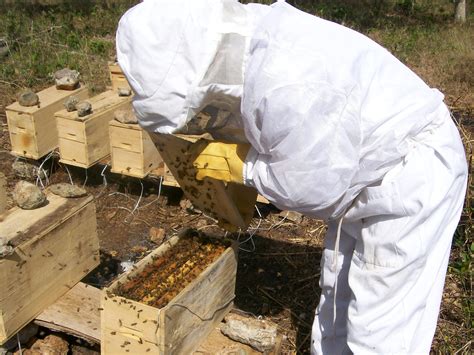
125 116
70 103
259 334
25 334
84 108
28 196
124 91
292 216
66 79
28 98
27 171
5 248
67 190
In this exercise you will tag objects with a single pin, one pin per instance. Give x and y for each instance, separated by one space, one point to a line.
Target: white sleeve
306 141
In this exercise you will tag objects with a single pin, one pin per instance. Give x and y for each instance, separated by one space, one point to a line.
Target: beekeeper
338 128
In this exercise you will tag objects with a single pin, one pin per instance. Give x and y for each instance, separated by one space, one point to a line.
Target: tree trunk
460 12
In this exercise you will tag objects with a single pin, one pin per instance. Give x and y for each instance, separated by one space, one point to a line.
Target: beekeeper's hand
222 161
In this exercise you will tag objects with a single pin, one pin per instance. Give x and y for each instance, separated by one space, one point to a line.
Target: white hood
181 56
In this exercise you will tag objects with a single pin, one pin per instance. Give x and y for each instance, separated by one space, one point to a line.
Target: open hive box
33 132
83 141
52 248
172 299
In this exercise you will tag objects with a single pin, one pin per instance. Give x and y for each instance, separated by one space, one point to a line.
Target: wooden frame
211 196
55 246
33 132
84 142
179 327
132 151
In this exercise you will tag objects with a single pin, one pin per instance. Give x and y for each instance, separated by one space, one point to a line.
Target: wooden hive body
130 327
55 246
117 77
32 129
132 151
84 142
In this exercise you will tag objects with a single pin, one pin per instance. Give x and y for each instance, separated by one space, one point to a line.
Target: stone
4 49
66 79
28 196
5 248
51 345
83 108
185 204
157 235
28 98
292 216
126 116
259 334
70 103
25 335
27 171
124 91
67 190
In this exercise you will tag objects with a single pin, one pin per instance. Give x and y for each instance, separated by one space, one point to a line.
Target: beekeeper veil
181 56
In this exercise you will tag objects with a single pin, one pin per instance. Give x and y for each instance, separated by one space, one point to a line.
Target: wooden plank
210 195
189 319
3 193
54 248
76 313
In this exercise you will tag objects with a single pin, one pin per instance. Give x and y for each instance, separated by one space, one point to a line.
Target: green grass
80 35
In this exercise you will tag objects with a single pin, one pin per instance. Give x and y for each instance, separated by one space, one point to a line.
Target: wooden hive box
55 246
130 327
84 142
117 77
132 151
33 132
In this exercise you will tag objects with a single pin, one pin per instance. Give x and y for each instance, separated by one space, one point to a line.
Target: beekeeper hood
181 56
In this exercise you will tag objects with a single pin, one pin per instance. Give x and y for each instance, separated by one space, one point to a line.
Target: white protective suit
340 130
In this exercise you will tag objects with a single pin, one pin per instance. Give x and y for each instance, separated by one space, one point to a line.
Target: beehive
84 142
130 327
33 132
117 77
55 246
132 151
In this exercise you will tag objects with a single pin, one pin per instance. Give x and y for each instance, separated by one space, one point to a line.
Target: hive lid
20 225
47 97
100 103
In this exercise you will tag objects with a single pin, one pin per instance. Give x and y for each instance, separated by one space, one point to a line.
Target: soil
162 279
